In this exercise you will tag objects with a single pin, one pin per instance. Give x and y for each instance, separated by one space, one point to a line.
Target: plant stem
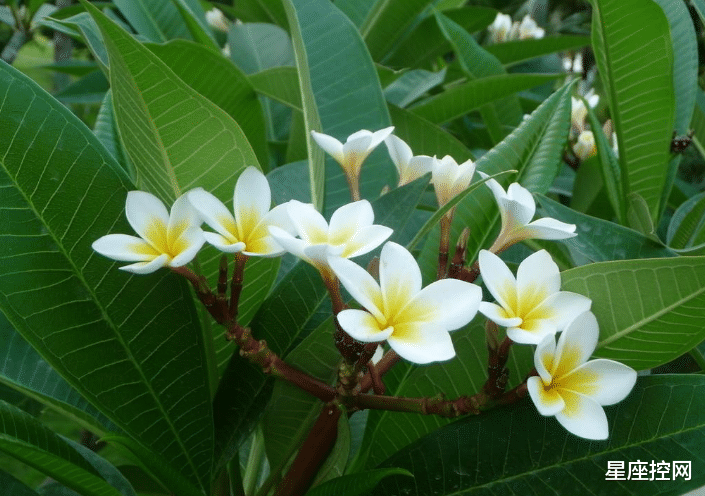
236 284
446 222
312 454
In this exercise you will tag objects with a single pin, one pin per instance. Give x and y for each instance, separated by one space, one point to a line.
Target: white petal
362 326
279 216
318 254
293 245
213 212
537 277
360 284
330 145
547 402
222 243
357 148
605 381
526 206
362 133
417 167
251 201
425 343
183 216
125 248
496 188
399 277
544 356
498 315
367 239
348 220
192 240
583 417
531 331
576 344
464 174
498 279
145 213
399 152
563 306
449 303
381 135
147 267
548 228
308 222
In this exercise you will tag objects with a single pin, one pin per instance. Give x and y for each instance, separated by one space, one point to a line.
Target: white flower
410 167
528 29
499 29
414 321
217 20
516 208
573 64
578 111
353 153
450 179
530 306
350 233
573 389
585 147
165 239
246 231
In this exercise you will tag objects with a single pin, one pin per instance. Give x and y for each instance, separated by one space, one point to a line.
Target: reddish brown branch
312 454
236 284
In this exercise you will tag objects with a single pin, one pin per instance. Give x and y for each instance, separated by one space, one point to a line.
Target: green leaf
213 76
74 67
425 138
477 63
14 487
195 19
356 10
686 227
259 11
27 440
155 464
638 216
84 24
99 328
255 47
632 47
280 84
386 21
89 89
411 85
685 61
156 20
513 52
106 131
171 155
459 100
599 240
357 484
24 370
426 42
609 166
514 450
649 310
105 469
534 149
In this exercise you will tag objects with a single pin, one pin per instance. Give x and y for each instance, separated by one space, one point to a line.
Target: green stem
236 484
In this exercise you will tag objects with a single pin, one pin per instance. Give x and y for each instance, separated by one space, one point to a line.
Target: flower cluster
415 321
502 29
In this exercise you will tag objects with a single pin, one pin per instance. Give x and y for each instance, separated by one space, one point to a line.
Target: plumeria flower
165 239
585 147
414 321
353 153
516 208
217 20
351 233
246 231
578 111
573 389
531 306
410 167
450 179
499 29
528 29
